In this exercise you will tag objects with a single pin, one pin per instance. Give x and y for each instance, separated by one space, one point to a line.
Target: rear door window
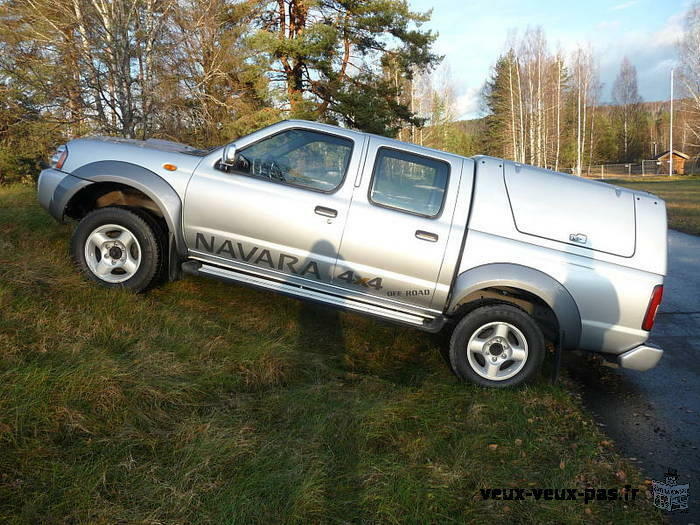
409 183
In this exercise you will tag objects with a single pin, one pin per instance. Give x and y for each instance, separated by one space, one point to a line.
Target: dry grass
201 402
682 196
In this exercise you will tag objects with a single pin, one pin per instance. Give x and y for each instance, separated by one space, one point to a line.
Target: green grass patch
206 403
681 193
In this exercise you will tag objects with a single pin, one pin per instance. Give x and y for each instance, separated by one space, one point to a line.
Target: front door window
303 158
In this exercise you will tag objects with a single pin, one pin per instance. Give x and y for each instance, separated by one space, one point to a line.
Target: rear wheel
116 247
497 346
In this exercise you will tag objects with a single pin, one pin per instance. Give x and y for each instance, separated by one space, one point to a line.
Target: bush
19 167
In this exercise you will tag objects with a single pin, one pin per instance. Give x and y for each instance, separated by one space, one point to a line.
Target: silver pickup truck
506 255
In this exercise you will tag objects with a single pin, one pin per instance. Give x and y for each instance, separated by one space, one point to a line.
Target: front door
399 223
280 209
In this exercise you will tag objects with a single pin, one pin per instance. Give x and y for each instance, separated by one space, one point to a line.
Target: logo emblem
668 495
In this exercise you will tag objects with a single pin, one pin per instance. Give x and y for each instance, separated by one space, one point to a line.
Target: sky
473 33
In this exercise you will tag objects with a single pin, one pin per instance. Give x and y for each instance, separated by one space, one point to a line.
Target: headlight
58 158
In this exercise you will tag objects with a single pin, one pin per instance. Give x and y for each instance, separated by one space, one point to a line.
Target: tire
118 248
507 347
161 232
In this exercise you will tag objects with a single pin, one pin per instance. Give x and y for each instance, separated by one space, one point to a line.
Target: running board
223 274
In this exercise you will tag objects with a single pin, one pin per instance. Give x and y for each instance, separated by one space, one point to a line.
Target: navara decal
260 257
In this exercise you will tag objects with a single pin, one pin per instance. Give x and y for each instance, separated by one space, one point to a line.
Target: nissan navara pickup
506 255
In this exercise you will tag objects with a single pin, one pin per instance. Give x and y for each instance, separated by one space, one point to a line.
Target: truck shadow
319 327
363 345
398 354
365 351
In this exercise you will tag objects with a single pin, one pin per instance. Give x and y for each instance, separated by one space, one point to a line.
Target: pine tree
328 58
502 101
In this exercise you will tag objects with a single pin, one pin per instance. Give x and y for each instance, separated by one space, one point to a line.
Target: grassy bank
682 196
202 402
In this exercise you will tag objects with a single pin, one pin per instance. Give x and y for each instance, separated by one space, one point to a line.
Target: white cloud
607 25
624 5
632 29
653 54
469 103
671 32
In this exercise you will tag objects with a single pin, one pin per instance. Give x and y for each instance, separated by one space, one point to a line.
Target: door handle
326 212
426 236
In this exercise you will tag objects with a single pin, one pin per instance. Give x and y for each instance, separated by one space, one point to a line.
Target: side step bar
428 324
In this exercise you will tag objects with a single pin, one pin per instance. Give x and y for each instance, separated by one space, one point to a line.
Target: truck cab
345 213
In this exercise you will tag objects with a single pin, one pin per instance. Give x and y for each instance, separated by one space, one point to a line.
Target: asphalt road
654 416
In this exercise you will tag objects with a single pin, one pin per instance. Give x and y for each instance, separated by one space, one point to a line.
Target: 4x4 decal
351 277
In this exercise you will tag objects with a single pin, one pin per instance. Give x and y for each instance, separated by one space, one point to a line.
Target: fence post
642 167
602 171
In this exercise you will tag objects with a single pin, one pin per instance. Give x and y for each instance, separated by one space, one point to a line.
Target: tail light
59 158
654 303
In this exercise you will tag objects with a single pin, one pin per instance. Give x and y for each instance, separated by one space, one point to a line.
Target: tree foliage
207 71
689 50
200 71
544 108
327 57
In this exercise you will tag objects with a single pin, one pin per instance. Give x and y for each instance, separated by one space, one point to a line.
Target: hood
150 154
153 144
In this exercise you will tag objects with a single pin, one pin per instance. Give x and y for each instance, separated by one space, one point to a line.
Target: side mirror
229 156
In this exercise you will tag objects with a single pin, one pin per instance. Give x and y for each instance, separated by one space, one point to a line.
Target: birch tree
213 86
560 74
628 112
99 55
525 96
584 79
433 101
689 51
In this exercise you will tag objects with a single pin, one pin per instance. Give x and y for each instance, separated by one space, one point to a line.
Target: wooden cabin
679 159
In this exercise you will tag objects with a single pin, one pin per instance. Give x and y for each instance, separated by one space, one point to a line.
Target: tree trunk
514 136
556 157
578 123
521 155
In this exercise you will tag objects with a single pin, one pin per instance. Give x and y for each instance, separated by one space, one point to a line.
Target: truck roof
331 128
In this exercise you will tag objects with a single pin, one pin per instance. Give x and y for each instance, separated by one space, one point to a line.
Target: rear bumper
640 358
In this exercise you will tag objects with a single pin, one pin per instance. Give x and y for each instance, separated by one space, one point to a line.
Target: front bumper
48 180
54 190
640 358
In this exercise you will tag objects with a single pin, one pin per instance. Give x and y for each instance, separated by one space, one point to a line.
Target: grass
682 196
206 403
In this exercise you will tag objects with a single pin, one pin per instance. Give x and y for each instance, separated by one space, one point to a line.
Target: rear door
399 223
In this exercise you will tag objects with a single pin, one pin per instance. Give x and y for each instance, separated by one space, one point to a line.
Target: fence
692 166
633 169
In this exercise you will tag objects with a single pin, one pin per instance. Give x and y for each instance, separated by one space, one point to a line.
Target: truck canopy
557 206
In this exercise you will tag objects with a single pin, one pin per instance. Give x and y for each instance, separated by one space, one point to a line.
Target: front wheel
116 247
497 346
